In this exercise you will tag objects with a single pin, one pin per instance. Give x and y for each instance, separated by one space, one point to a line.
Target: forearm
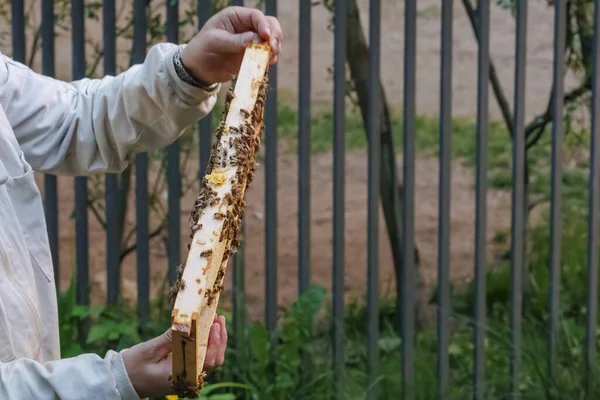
84 377
93 124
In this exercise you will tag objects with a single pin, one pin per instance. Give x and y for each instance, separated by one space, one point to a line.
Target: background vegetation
250 373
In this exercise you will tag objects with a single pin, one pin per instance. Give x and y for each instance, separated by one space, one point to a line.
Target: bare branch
496 86
99 54
538 202
132 248
35 46
129 235
92 206
537 126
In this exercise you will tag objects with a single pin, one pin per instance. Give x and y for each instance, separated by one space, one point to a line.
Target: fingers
276 36
214 339
223 343
245 19
217 344
250 19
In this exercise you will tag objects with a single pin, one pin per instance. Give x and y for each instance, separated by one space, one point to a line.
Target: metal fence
408 178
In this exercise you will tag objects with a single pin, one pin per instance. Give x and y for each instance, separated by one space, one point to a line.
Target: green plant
272 365
207 393
113 328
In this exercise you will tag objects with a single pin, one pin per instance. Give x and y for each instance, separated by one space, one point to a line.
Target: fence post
518 203
408 172
339 172
560 28
594 209
50 183
81 211
141 180
481 187
445 167
111 184
271 193
373 181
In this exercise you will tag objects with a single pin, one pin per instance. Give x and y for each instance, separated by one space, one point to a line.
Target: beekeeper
90 126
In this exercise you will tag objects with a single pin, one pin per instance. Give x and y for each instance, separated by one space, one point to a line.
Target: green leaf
80 311
71 350
307 306
454 349
390 343
224 396
215 386
95 311
100 331
259 341
285 381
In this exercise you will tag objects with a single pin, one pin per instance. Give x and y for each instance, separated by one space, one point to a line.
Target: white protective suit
72 128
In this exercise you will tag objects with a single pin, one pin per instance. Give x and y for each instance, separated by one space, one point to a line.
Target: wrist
188 76
123 371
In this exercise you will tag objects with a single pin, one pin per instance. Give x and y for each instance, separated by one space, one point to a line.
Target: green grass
464 147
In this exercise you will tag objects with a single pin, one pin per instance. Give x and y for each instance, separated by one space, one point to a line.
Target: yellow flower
172 397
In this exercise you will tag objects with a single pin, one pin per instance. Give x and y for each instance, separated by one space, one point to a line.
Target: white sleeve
90 125
87 376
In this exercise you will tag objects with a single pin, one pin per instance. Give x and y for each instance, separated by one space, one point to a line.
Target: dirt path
464 85
462 228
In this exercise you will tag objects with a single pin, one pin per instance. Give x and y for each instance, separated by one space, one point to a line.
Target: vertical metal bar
141 180
304 88
271 192
594 209
560 28
205 142
113 242
50 184
81 217
339 172
238 292
444 197
408 172
483 74
518 212
18 30
374 155
239 278
173 173
204 12
143 245
48 37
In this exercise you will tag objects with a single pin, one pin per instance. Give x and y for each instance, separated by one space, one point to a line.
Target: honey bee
206 253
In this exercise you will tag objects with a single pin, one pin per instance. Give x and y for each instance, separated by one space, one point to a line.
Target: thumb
160 346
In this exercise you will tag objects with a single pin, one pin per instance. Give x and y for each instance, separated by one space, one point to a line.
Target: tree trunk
390 191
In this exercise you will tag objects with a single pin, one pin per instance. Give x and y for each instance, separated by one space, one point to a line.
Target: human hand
215 54
149 364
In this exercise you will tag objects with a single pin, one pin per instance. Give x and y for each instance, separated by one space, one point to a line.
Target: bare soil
426 217
538 81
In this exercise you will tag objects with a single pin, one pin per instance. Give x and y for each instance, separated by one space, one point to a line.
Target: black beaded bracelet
185 75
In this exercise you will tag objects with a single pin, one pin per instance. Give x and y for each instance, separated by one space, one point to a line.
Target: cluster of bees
186 390
246 142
